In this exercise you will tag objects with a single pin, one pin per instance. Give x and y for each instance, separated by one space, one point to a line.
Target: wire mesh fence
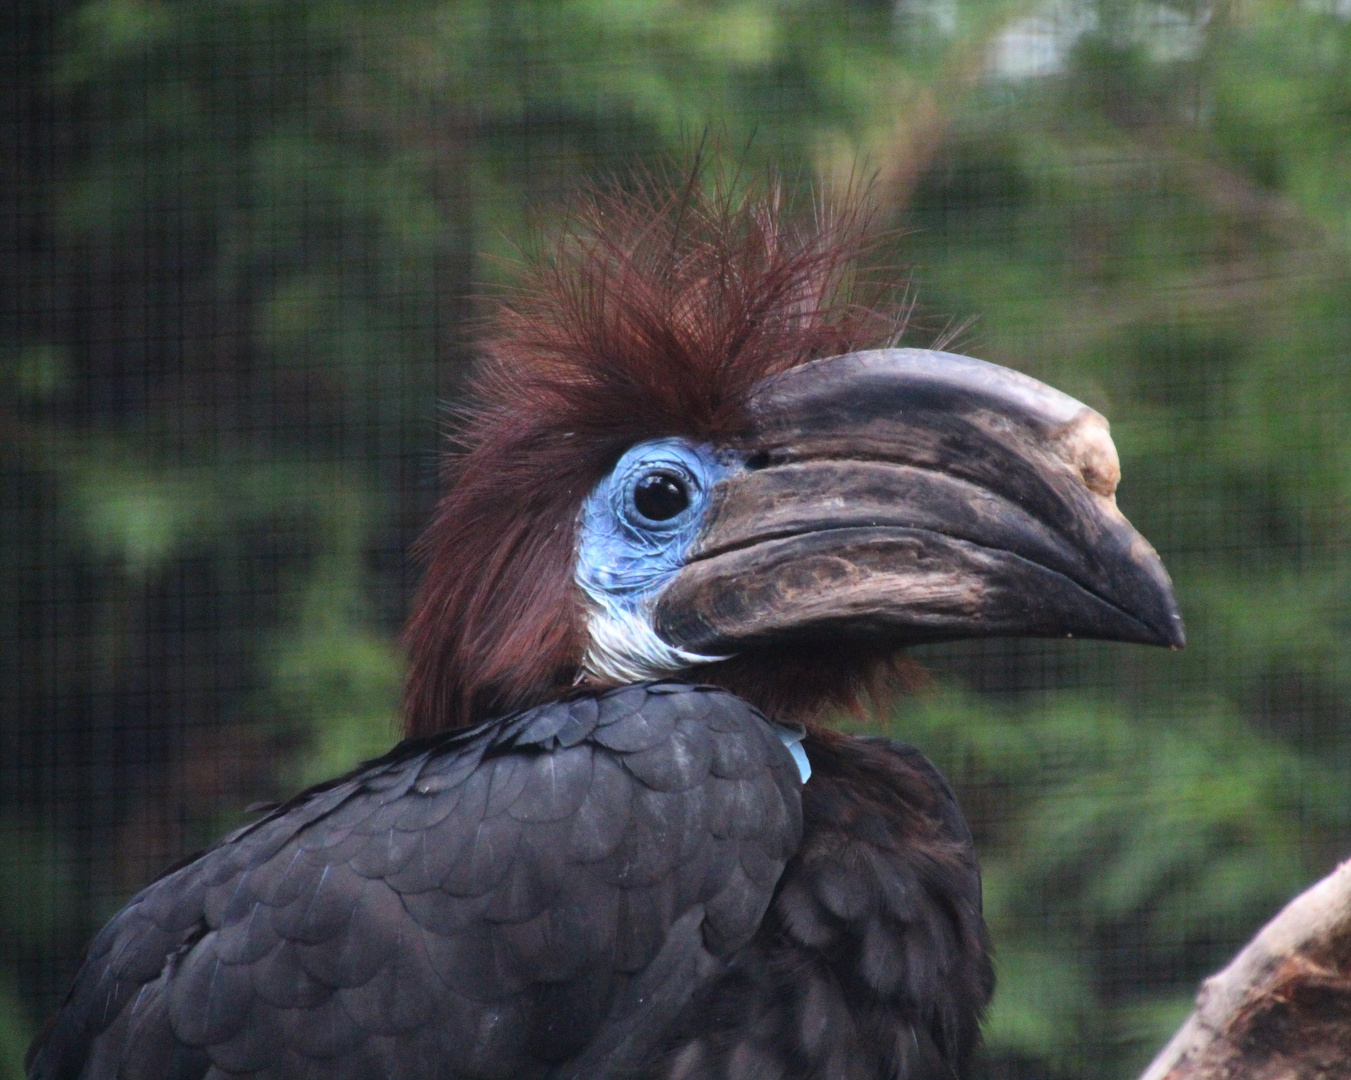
242 247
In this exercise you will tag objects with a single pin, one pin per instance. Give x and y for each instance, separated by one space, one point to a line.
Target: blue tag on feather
792 738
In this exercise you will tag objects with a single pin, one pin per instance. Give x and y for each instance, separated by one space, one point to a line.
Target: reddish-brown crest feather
654 314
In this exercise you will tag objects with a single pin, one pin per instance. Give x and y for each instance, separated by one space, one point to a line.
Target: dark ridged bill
919 496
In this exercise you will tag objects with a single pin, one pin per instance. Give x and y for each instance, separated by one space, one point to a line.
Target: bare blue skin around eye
625 560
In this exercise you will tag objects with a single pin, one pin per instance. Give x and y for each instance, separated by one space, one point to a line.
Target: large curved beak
918 496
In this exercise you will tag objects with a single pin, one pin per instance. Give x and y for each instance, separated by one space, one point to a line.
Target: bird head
680 458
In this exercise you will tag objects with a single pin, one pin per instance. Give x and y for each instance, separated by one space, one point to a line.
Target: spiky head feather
656 312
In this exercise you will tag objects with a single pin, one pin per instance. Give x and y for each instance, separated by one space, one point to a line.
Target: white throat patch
622 647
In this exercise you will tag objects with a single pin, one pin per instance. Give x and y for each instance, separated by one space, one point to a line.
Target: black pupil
660 496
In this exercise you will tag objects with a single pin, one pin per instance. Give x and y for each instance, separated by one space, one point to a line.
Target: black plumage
631 883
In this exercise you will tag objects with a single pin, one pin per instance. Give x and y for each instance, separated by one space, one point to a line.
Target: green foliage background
245 238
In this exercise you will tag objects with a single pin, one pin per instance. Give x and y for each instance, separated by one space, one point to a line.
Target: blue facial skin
625 559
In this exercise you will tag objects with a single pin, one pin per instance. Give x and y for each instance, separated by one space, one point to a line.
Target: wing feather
543 890
872 958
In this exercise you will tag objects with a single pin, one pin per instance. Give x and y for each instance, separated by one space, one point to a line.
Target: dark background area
239 244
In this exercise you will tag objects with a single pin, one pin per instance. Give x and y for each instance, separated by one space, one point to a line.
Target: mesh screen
240 242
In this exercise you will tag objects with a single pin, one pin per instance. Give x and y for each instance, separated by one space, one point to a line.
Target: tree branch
1282 1008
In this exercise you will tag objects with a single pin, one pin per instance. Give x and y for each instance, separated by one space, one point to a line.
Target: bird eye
660 496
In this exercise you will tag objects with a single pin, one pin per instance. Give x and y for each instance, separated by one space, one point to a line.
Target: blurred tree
246 237
1146 206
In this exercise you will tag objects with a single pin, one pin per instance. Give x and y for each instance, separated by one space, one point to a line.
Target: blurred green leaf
1045 990
34 373
335 678
15 1032
36 880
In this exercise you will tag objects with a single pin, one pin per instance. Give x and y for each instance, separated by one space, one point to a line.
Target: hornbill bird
691 516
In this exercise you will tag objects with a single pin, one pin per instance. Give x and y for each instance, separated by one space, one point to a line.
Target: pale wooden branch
1282 1009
